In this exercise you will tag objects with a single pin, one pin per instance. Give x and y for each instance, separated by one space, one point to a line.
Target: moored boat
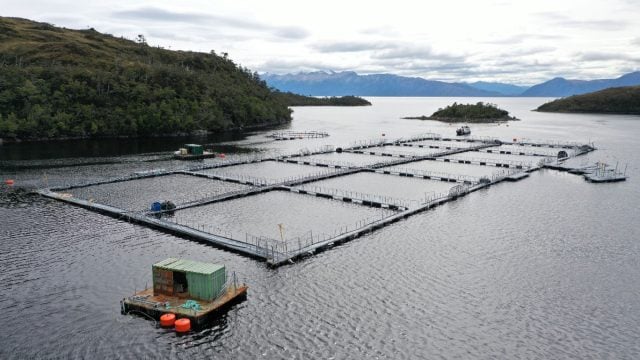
464 130
193 152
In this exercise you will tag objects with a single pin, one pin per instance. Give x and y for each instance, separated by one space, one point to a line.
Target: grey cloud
595 24
516 52
288 66
520 38
157 14
291 32
384 30
162 15
352 46
605 56
407 53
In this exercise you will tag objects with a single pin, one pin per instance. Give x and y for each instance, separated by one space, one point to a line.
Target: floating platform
296 135
204 155
285 250
155 306
517 176
596 173
600 178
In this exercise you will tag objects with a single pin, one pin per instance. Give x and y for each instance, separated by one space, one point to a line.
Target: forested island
61 83
619 100
292 99
468 113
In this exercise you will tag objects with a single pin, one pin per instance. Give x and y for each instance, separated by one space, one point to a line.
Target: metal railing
290 134
530 151
419 137
312 162
356 195
431 174
473 160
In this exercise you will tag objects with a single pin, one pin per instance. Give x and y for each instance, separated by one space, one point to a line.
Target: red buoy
221 155
183 325
9 182
167 320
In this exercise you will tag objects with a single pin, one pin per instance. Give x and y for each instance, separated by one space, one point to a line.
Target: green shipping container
205 281
194 149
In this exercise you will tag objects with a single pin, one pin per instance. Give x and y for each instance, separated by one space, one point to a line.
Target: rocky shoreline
178 134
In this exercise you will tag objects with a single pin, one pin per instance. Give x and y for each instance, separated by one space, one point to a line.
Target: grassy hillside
291 99
620 100
57 82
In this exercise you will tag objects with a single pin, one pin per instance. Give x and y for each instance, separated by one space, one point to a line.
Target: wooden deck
154 306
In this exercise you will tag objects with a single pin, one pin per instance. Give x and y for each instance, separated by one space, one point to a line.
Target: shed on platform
194 149
188 279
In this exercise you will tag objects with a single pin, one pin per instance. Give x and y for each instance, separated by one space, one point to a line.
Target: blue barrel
156 206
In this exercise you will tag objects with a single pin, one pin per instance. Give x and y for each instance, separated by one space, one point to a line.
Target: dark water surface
543 268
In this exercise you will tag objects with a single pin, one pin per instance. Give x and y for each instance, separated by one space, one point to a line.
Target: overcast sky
521 42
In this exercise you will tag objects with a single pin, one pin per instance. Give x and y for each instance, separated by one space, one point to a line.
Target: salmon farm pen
283 208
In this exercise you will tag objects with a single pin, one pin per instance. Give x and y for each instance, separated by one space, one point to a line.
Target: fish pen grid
445 167
439 144
139 194
277 215
498 158
349 158
268 172
386 185
365 204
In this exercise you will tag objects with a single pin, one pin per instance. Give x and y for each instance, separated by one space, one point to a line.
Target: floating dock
297 135
155 306
277 252
189 289
596 173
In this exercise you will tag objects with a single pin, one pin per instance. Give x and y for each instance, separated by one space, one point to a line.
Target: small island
620 100
468 113
291 99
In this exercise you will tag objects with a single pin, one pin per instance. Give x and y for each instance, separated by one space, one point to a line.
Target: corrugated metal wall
206 287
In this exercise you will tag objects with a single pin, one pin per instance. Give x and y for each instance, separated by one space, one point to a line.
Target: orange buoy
183 325
167 320
9 182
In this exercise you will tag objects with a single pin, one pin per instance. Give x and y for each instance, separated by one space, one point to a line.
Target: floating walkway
278 252
597 173
488 162
296 135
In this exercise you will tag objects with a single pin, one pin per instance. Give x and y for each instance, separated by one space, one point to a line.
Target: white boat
464 130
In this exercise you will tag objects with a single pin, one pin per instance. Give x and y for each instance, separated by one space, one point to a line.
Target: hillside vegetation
56 83
292 99
472 113
620 100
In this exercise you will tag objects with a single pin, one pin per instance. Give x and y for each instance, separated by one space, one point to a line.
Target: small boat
193 152
464 130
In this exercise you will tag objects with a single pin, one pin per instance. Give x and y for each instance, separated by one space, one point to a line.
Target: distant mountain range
322 83
500 88
560 87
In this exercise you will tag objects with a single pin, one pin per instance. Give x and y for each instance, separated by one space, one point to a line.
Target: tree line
57 83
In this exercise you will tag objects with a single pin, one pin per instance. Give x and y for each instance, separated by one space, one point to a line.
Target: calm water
543 268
